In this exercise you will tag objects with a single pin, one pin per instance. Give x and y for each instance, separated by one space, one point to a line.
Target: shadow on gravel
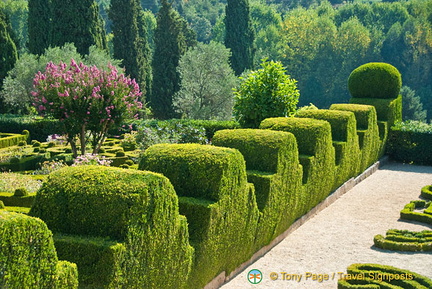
394 166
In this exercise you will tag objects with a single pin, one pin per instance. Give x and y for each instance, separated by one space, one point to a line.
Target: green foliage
387 109
9 54
131 42
39 127
169 131
207 81
239 35
370 278
371 136
21 192
17 11
171 42
418 211
121 205
345 141
404 240
26 238
8 139
273 167
216 199
426 192
316 155
375 80
410 141
267 92
412 107
19 81
39 21
77 22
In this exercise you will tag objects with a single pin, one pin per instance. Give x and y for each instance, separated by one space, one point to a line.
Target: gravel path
343 234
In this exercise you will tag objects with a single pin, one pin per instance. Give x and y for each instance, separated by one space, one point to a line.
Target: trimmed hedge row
375 276
407 144
275 172
215 197
39 128
408 212
10 139
345 141
426 192
27 255
404 240
124 222
12 200
371 136
316 155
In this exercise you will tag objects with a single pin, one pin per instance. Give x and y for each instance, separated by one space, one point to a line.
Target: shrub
9 139
27 255
410 141
21 192
267 92
316 155
377 276
345 141
120 154
409 213
9 182
91 159
215 198
426 192
121 227
2 205
404 240
375 80
274 169
85 99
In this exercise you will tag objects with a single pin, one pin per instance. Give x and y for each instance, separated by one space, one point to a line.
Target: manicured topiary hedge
375 80
404 240
219 204
426 192
10 199
10 139
345 141
27 255
408 212
316 155
273 167
362 276
410 142
124 223
371 136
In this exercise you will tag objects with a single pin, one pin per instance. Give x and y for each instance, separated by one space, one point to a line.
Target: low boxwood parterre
10 139
404 240
375 276
426 192
28 258
409 211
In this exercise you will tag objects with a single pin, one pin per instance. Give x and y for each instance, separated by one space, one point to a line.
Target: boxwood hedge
124 222
219 204
28 258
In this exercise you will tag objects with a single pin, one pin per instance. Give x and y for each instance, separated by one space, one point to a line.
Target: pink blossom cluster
85 94
91 159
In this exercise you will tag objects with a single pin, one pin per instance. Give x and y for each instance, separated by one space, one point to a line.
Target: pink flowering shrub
85 99
91 159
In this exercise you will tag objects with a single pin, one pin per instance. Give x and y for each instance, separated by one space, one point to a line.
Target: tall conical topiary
130 43
39 21
77 22
239 35
171 41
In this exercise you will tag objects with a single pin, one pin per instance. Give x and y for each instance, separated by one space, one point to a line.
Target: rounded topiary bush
375 80
21 192
22 143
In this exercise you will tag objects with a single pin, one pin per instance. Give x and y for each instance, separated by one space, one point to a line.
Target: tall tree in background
9 54
239 35
39 21
8 50
172 37
78 22
130 43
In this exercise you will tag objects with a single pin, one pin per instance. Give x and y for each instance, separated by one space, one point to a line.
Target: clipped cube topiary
375 80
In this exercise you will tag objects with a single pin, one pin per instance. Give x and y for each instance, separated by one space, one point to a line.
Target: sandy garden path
343 233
